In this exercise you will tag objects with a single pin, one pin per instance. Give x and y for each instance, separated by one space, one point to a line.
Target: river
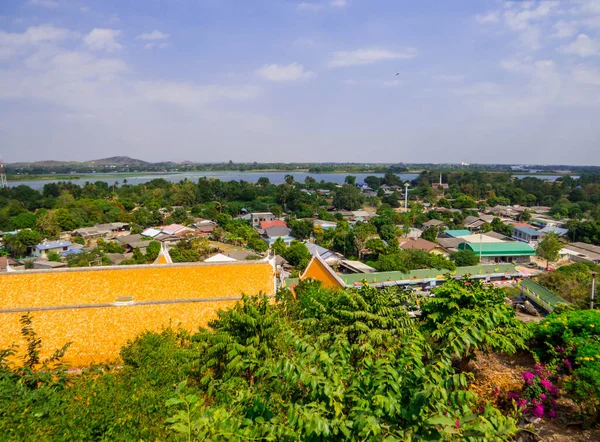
274 177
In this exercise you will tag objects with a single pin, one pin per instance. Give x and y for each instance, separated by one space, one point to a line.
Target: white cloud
304 6
367 56
339 3
565 29
14 43
583 46
103 40
587 76
153 36
50 4
490 17
280 73
482 88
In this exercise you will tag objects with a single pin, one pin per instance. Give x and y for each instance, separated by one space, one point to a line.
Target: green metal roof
540 294
499 248
416 275
457 233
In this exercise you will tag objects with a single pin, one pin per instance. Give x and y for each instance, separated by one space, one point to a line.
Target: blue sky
278 80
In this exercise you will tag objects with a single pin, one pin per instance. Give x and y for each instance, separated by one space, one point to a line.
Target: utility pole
406 197
593 290
480 246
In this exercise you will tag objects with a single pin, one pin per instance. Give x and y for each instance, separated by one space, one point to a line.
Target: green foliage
190 249
465 316
464 258
53 256
258 245
301 229
348 197
279 247
22 241
504 229
570 341
430 234
572 282
407 260
110 246
549 247
297 255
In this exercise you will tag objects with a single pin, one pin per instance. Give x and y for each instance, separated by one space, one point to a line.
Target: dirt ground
504 372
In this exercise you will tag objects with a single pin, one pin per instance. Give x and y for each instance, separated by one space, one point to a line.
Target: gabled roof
273 223
419 244
433 222
277 231
503 248
318 269
151 232
173 229
219 257
163 256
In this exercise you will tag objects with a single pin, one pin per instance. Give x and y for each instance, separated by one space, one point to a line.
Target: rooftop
53 245
503 248
527 230
457 233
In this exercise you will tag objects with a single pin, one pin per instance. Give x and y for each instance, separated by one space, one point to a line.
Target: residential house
330 257
276 222
441 185
424 245
271 234
42 250
556 230
258 217
450 244
455 233
581 252
506 211
498 236
7 263
347 266
500 252
325 225
526 233
44 264
474 223
434 223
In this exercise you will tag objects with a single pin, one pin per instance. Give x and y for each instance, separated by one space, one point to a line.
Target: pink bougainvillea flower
538 410
552 413
546 384
528 377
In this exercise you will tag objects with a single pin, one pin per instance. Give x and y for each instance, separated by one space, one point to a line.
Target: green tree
301 229
297 255
464 258
279 247
348 198
350 179
21 242
430 234
549 248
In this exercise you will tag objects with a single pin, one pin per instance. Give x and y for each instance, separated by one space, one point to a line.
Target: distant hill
112 161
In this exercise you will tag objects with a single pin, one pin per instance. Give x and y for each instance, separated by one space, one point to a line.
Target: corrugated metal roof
53 245
528 231
457 233
499 248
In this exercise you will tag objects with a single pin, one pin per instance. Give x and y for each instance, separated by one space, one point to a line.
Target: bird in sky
397 73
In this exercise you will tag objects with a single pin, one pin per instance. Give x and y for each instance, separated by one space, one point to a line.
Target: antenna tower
3 182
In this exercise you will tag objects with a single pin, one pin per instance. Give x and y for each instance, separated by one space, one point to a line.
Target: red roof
275 222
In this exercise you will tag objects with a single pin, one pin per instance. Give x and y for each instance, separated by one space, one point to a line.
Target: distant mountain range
104 162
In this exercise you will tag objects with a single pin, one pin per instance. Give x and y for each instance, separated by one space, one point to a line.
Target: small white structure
219 257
